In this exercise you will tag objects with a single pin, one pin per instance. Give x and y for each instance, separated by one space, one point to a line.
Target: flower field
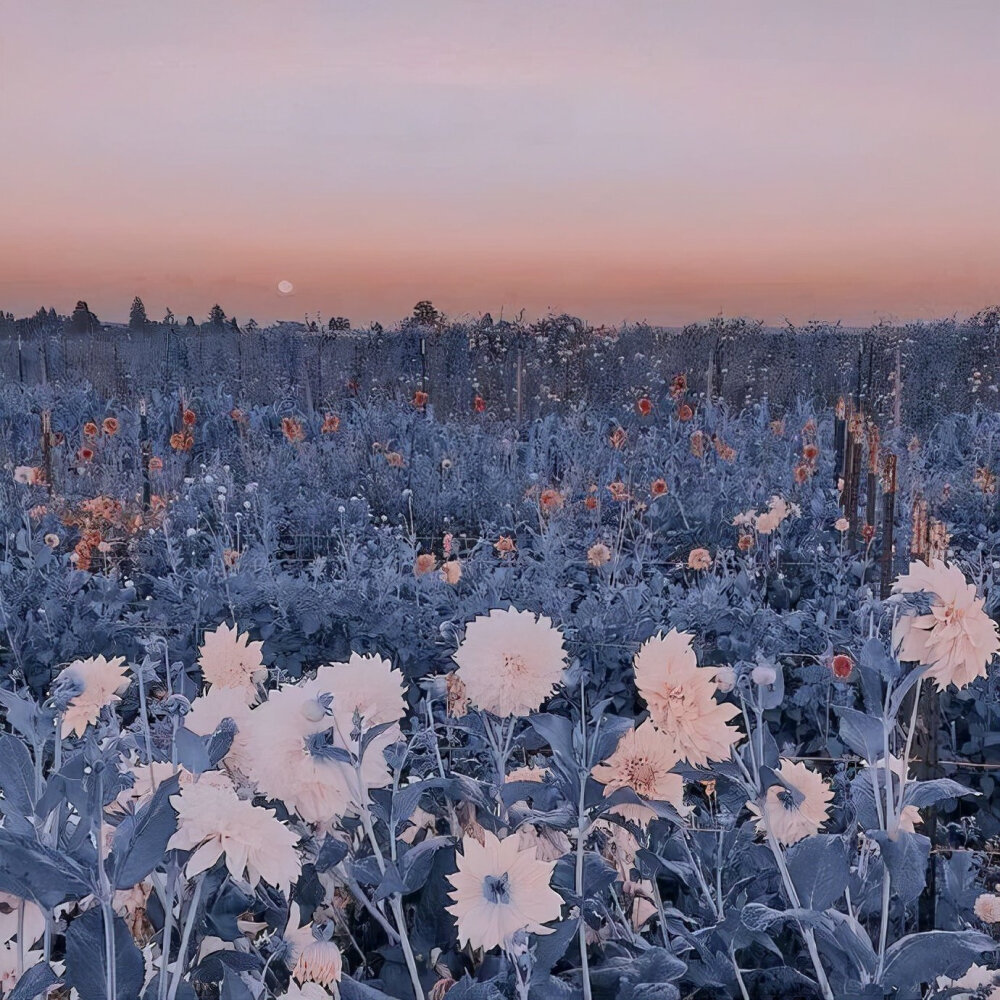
653 700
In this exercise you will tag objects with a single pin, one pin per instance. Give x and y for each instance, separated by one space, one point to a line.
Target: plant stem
189 920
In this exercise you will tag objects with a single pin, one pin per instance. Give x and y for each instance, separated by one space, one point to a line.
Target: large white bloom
681 699
100 682
318 788
643 761
499 890
228 659
510 661
206 715
213 821
957 639
795 809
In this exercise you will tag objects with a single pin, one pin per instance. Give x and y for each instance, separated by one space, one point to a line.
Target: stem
909 744
807 932
168 931
189 919
582 931
883 930
111 973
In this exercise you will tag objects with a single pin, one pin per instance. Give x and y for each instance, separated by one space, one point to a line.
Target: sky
664 161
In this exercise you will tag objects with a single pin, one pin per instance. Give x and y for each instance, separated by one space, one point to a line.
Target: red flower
841 666
420 399
190 418
684 412
110 425
86 454
479 404
644 406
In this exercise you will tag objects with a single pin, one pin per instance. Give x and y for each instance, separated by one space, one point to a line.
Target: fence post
897 391
145 449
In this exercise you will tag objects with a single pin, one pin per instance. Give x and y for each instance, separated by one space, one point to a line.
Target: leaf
37 981
819 870
609 735
140 841
17 774
191 751
233 987
921 958
906 861
926 793
415 865
549 948
406 800
557 731
42 874
862 733
86 964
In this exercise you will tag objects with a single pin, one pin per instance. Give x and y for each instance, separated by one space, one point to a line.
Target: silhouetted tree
338 323
137 318
234 324
83 320
424 314
168 318
216 316
190 321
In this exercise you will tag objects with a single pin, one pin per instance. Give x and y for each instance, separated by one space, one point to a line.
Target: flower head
681 698
797 807
212 821
97 682
500 890
510 661
699 559
643 761
956 640
228 659
206 714
987 908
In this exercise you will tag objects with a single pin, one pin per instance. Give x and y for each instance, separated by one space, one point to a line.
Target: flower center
641 776
513 664
496 888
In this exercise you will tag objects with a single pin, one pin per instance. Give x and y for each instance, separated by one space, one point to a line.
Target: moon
285 287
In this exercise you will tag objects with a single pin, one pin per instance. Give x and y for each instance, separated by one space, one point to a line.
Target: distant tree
190 322
338 323
137 318
424 314
251 325
83 320
216 316
41 316
168 318
53 318
234 324
375 328
313 328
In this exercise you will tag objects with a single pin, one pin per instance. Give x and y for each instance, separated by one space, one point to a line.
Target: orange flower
331 424
658 487
801 473
644 406
110 426
424 563
618 437
698 444
699 559
394 459
90 429
420 399
745 543
155 464
590 503
230 557
479 404
777 427
451 571
86 454
678 386
189 418
684 412
551 500
810 452
598 555
181 441
618 490
292 430
237 414
505 545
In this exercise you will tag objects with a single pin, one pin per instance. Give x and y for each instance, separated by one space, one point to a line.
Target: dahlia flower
99 682
987 908
32 922
957 639
212 821
228 659
510 661
206 715
307 991
796 808
500 890
642 761
680 697
319 788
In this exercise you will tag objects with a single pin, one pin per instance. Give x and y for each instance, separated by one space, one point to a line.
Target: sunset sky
656 160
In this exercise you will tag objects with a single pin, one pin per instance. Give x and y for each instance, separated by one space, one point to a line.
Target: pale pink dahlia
795 809
957 639
100 683
510 661
228 659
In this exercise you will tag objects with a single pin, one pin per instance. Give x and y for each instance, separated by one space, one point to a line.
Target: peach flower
451 571
795 809
500 890
681 698
101 682
957 640
228 659
206 715
699 559
510 661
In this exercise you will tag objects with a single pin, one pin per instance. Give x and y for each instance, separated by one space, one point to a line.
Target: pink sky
665 161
